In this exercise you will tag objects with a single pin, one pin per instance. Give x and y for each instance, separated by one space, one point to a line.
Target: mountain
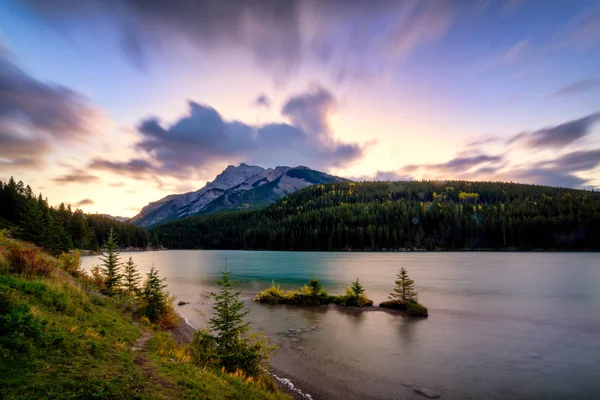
117 218
445 215
236 188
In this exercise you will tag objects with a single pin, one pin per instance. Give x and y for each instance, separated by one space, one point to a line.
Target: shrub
71 262
203 349
412 308
96 277
168 318
394 305
415 309
272 295
26 261
18 326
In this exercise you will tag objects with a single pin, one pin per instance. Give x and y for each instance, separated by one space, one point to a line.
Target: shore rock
183 303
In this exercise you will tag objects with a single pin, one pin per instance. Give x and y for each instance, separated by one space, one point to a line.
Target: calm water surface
501 325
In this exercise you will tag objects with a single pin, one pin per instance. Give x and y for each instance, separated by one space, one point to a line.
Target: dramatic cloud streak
352 37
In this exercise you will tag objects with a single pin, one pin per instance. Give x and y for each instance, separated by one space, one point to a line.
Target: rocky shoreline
184 333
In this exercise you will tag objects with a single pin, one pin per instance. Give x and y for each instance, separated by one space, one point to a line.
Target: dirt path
141 359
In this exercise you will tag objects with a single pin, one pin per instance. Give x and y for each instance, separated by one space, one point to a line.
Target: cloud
192 145
576 87
262 101
457 166
136 168
84 202
585 29
310 111
513 54
483 141
543 176
349 36
76 176
559 135
34 115
576 161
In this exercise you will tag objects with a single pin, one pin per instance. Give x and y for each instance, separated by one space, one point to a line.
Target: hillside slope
236 188
449 215
60 338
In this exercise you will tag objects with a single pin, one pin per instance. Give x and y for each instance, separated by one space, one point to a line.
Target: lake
500 326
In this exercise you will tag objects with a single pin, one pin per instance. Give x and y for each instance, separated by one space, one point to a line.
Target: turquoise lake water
501 325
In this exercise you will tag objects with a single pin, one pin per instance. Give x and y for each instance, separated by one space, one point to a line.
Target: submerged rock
183 303
430 394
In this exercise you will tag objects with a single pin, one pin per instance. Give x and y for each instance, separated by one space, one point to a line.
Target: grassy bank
61 338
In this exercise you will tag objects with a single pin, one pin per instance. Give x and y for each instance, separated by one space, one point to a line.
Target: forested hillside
29 217
384 215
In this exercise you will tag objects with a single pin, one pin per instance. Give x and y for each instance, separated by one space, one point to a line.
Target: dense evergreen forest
394 215
30 218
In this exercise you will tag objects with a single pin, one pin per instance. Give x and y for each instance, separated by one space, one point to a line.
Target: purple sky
112 104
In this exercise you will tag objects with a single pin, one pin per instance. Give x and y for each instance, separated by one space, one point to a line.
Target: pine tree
154 295
131 277
357 289
405 288
32 222
111 264
315 287
228 319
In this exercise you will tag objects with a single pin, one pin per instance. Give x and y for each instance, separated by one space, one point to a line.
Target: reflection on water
502 325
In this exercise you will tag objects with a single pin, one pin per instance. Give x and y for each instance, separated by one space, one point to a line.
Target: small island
402 298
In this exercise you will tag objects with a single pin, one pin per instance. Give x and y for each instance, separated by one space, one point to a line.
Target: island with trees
402 298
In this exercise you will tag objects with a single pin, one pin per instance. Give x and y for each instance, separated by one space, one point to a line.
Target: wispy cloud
76 176
352 38
576 87
84 202
557 136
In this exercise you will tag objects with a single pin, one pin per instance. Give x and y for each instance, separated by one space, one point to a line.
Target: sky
108 105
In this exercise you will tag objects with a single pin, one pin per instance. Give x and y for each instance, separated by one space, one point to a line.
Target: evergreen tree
111 264
131 277
227 321
315 287
405 288
32 222
357 289
154 295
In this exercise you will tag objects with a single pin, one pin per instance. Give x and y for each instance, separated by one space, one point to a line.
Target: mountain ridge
236 188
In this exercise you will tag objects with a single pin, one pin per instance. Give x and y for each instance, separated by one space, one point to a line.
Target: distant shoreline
381 251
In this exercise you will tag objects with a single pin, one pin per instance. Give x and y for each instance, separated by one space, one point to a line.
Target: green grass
61 339
304 297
